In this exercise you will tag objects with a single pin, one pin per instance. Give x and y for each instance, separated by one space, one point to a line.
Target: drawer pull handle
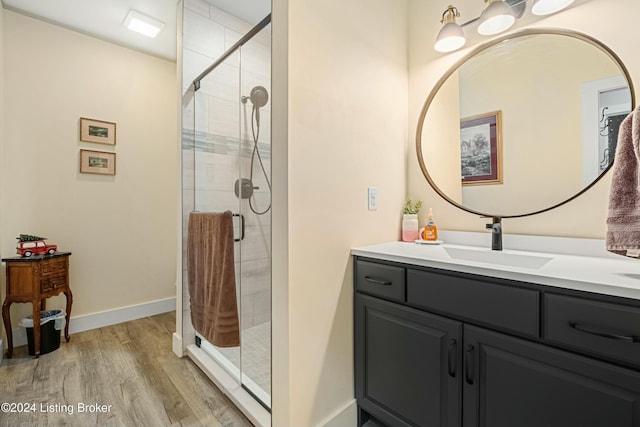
376 281
468 364
604 334
451 360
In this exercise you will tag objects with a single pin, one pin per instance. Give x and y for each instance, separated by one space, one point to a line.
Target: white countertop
603 275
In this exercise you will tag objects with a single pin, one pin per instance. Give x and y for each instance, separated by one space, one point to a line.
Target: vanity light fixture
143 24
495 18
498 16
547 7
451 37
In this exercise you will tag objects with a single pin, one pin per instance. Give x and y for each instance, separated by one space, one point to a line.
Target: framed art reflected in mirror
481 149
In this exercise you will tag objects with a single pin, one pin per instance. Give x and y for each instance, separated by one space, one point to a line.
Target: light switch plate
373 198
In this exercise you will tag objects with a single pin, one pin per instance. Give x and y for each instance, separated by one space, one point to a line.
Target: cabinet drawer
53 280
502 306
53 267
599 328
386 281
59 282
45 284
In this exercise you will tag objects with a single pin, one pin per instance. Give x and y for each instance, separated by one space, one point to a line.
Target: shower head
259 96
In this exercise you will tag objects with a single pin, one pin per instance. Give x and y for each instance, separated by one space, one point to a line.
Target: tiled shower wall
217 146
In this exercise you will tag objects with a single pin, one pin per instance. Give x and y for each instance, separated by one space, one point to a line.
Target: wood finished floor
129 366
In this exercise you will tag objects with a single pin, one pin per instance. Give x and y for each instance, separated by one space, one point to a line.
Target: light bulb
496 18
547 7
450 37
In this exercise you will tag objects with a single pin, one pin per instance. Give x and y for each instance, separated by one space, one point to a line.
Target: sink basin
497 257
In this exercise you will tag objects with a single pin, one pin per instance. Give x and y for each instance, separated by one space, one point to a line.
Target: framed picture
97 131
481 149
98 162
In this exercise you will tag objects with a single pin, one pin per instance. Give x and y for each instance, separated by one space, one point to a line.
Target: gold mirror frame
527 32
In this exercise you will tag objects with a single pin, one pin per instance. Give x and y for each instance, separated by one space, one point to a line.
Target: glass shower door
216 164
232 171
255 169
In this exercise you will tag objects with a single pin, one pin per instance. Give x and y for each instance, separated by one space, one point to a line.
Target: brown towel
623 221
212 279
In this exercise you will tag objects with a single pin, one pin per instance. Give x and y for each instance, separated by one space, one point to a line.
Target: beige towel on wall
623 221
212 279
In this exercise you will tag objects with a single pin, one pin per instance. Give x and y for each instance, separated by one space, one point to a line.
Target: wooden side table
34 279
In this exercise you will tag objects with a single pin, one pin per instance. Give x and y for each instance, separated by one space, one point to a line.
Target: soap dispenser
430 231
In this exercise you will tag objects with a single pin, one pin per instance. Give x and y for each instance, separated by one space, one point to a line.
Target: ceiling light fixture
451 37
547 7
498 16
143 24
495 18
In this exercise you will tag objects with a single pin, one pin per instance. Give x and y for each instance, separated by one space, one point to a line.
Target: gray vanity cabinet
512 382
441 349
407 364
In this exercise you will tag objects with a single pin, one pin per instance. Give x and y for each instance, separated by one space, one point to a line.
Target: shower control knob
243 188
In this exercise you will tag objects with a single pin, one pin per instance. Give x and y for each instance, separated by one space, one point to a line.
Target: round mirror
524 123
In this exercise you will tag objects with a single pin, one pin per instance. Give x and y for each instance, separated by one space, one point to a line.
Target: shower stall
226 166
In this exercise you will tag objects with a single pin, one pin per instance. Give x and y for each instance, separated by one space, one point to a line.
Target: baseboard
177 345
345 417
106 318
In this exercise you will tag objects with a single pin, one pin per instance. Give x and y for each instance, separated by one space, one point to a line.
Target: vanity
464 336
455 336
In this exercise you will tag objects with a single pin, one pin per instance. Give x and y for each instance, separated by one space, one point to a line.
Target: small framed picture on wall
97 131
97 162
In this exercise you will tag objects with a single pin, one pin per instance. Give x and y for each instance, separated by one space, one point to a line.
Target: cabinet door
408 364
23 279
511 382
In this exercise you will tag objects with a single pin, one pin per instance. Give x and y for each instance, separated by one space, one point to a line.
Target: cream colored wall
121 229
586 215
345 128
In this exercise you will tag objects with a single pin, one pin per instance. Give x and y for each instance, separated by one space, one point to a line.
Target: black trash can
52 321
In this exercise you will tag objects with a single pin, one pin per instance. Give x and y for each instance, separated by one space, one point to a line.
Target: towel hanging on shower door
211 276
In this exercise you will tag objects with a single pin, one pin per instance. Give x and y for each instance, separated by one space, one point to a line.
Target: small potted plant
410 220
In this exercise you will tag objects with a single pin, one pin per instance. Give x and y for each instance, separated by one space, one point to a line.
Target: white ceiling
104 18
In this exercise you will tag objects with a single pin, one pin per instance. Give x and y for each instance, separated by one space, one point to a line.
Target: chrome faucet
496 233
